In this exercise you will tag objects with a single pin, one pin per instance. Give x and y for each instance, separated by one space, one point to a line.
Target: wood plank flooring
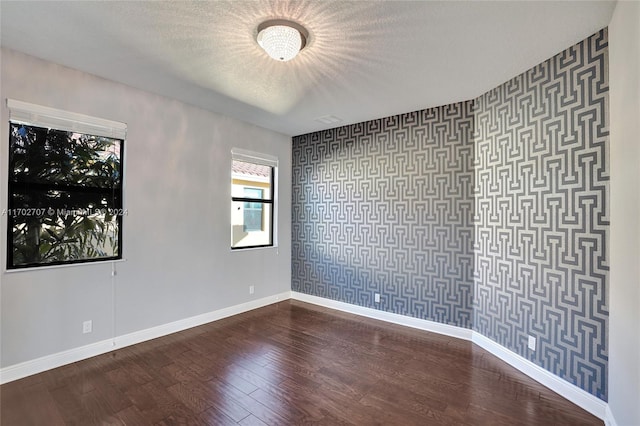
289 364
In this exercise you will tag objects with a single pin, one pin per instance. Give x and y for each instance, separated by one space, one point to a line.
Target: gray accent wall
488 214
386 207
542 219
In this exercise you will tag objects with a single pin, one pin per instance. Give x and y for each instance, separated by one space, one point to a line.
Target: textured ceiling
364 60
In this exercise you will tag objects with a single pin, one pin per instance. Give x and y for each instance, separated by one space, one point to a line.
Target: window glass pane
253 217
65 197
250 224
251 204
253 193
40 155
251 175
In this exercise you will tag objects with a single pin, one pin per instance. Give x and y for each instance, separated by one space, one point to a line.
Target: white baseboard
38 365
609 420
184 324
436 327
583 399
569 391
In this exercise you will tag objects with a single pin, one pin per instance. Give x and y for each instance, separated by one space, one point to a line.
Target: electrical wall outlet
251 289
87 327
532 343
376 297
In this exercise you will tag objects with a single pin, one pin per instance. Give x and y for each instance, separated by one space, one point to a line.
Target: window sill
42 268
241 249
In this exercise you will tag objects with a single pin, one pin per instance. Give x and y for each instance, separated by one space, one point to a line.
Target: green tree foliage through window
65 197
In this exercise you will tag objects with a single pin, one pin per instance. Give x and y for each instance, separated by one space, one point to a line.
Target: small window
252 204
253 214
64 189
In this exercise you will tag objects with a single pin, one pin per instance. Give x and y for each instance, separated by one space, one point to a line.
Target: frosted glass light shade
282 40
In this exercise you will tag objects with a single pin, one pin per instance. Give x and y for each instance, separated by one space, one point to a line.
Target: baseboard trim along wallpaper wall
581 398
489 214
588 402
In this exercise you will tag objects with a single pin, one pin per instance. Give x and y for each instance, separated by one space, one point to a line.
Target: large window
64 187
252 201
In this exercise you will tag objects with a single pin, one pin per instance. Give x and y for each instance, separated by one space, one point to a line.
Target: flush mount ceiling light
281 39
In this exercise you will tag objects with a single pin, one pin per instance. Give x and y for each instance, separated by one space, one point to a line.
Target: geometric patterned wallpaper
541 214
386 206
488 214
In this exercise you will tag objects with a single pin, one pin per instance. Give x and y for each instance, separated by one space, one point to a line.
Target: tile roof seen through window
251 169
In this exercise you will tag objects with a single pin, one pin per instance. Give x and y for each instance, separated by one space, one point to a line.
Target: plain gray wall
624 317
176 235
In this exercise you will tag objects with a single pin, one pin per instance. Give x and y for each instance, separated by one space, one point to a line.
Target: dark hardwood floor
289 364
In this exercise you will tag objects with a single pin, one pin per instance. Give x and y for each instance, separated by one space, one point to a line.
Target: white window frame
29 114
238 154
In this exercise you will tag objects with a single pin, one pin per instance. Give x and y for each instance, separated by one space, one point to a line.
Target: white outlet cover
251 289
532 343
87 326
376 297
